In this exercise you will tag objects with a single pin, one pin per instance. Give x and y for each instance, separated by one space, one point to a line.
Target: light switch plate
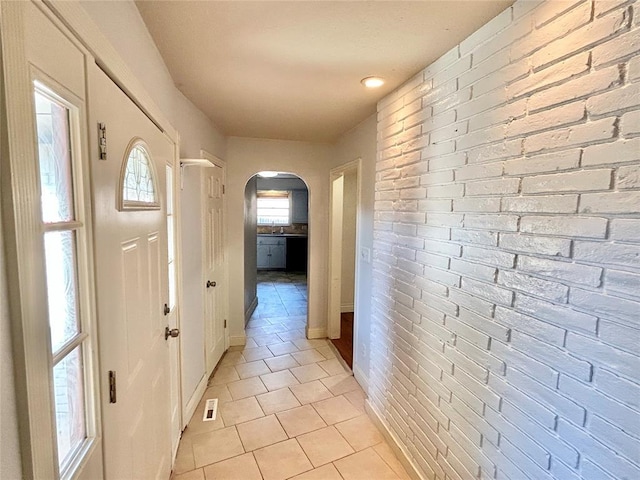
365 254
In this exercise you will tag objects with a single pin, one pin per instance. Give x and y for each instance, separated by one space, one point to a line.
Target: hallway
288 408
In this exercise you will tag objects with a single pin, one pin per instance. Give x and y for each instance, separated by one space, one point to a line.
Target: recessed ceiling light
372 82
268 174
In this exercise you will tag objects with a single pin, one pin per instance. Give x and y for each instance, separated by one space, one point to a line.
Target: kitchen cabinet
271 252
299 206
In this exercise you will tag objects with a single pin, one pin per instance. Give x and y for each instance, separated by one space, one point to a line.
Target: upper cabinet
299 200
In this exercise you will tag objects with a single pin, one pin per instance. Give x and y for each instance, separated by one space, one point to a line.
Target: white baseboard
192 403
393 442
361 378
347 308
250 310
237 340
316 333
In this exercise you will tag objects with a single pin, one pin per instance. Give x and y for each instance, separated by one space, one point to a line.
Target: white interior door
131 271
335 261
213 179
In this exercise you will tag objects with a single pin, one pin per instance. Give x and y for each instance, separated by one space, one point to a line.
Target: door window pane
62 288
138 184
68 383
54 155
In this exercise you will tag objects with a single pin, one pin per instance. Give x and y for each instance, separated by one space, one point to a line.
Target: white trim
346 308
237 340
361 378
392 440
316 333
192 403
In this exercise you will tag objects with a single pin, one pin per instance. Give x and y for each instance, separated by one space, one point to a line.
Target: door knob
210 284
171 332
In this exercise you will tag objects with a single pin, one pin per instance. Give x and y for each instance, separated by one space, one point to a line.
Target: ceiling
292 70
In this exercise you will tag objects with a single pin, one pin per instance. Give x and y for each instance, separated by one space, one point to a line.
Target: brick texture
506 311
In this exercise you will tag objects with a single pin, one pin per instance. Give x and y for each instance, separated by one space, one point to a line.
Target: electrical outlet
365 254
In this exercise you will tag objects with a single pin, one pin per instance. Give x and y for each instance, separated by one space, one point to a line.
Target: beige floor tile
268 339
360 432
326 351
282 362
339 384
326 472
184 458
292 335
386 453
261 433
246 388
242 467
300 420
305 344
282 348
240 411
332 367
192 475
196 425
308 356
324 446
365 465
252 369
260 353
221 392
216 446
308 373
277 401
224 375
357 399
336 409
311 392
250 343
282 460
278 380
232 358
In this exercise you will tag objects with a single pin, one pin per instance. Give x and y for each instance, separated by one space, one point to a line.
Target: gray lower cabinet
271 253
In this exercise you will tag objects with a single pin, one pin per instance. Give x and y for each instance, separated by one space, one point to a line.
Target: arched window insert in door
138 189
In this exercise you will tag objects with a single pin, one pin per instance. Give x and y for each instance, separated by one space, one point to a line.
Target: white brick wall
506 307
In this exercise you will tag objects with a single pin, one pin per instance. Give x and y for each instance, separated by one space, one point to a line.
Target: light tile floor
288 408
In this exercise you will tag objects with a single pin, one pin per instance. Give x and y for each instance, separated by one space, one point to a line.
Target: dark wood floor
344 344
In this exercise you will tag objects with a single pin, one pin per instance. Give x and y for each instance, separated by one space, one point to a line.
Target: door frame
335 251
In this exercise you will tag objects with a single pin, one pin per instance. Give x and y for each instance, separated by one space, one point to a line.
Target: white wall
310 162
250 247
506 311
122 24
349 210
360 143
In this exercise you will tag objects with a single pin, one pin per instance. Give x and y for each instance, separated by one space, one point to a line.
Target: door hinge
102 140
225 323
112 386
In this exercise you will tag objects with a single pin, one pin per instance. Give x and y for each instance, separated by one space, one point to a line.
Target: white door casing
213 257
131 271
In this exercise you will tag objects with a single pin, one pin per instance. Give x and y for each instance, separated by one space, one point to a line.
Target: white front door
131 272
214 265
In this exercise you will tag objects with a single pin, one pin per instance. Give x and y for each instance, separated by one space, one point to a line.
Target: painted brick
516 359
612 202
579 87
488 204
608 253
503 150
493 187
585 180
634 69
541 204
628 177
474 237
489 257
626 338
616 438
566 271
616 152
617 99
477 172
619 281
507 223
572 136
561 316
475 270
502 78
495 116
630 123
531 326
484 324
606 305
445 191
617 387
592 227
537 245
625 229
471 302
552 162
535 286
